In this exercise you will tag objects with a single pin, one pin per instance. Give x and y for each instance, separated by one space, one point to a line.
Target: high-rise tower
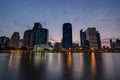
14 42
67 35
92 37
27 38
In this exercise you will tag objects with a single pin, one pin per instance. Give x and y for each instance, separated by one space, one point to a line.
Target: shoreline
31 51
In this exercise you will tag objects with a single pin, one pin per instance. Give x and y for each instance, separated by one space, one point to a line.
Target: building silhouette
41 36
115 44
83 41
98 39
4 41
20 43
37 26
27 38
14 42
36 38
90 38
57 46
67 35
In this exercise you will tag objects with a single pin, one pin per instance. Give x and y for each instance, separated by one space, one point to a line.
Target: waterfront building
67 35
98 39
57 46
36 38
115 44
75 45
37 26
27 38
90 38
20 43
86 44
41 36
4 41
14 42
82 38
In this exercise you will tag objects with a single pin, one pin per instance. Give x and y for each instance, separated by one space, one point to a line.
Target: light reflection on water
60 66
93 64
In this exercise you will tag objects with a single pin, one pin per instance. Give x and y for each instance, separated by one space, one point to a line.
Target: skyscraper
92 37
36 38
98 39
27 38
41 36
67 35
14 42
37 26
82 37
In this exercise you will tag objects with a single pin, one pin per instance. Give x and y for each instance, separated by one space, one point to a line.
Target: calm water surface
60 66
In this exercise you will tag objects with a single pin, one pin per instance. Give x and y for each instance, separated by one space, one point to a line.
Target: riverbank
62 51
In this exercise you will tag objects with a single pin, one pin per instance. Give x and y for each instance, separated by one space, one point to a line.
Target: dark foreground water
59 66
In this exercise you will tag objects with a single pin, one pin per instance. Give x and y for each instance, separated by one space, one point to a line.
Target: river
60 66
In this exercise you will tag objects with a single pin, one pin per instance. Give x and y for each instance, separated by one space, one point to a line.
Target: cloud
20 25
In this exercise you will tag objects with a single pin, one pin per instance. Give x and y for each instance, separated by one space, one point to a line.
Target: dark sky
20 15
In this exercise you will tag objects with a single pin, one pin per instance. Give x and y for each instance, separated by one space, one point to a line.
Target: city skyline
52 14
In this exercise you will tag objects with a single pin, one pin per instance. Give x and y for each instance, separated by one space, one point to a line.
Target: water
59 66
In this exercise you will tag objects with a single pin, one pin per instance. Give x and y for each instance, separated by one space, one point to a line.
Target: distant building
38 37
41 36
115 44
14 42
4 41
50 44
86 44
37 26
20 43
27 38
83 38
98 39
67 35
75 45
90 38
57 46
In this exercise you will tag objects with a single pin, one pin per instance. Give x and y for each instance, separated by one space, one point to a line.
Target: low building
4 41
115 44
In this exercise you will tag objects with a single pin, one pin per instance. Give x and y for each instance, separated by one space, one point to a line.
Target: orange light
93 63
69 62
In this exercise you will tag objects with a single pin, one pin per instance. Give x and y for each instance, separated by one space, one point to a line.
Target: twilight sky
20 15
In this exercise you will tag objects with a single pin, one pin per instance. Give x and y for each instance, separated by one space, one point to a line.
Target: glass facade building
41 36
67 35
